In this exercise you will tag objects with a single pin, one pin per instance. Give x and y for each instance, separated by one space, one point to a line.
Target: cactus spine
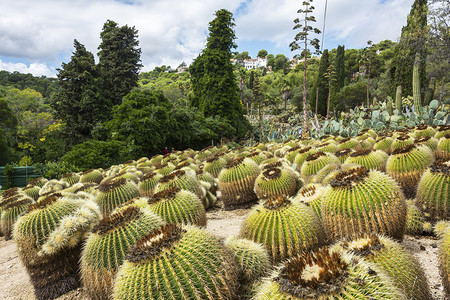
416 84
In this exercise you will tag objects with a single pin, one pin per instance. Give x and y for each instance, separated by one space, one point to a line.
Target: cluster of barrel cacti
324 219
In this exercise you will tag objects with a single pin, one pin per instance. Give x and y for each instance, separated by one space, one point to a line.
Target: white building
255 63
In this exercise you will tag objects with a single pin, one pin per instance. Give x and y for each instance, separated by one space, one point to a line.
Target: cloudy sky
37 36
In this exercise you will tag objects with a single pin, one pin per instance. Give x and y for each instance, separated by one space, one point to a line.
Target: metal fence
20 177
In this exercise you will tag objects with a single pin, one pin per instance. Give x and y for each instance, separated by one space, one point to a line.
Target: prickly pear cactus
177 263
360 201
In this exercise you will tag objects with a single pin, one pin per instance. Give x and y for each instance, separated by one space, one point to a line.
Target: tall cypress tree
76 101
340 68
322 84
119 61
412 41
216 92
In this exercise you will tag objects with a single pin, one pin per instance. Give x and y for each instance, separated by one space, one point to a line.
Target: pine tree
322 85
216 92
76 101
119 61
340 68
258 95
412 41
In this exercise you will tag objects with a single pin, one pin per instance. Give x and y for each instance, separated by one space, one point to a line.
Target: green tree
76 102
366 59
285 90
331 76
258 95
351 95
8 125
216 92
119 61
242 56
412 41
340 67
301 41
321 83
262 53
281 62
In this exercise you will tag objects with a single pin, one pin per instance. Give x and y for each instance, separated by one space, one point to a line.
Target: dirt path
15 283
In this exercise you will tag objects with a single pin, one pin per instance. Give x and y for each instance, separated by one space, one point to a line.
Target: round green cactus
384 143
323 274
251 257
107 245
113 192
292 153
343 154
210 185
301 156
348 143
394 260
237 181
257 156
311 195
215 165
32 191
444 254
148 183
178 206
165 169
48 246
443 147
360 201
92 175
40 181
177 263
71 178
332 175
433 191
431 142
442 130
284 228
329 147
401 141
274 182
10 209
373 160
424 130
407 164
314 163
414 219
183 179
52 186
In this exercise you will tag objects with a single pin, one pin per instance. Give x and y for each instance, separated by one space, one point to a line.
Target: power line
324 21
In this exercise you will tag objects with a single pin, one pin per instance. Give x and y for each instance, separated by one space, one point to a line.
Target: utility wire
324 21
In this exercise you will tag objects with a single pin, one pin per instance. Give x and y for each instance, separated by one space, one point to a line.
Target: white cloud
172 31
34 68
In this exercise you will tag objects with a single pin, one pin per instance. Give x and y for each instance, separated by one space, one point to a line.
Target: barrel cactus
11 208
301 156
430 142
424 130
433 191
373 160
275 181
443 231
284 227
442 130
108 244
113 192
48 237
311 195
314 163
215 165
236 183
394 260
92 175
71 178
360 201
343 154
384 144
178 206
443 147
323 274
414 219
177 263
407 164
183 179
348 143
401 141
148 183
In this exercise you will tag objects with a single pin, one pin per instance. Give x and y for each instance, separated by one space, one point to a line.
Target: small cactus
113 192
398 99
314 163
373 160
148 183
91 176
274 182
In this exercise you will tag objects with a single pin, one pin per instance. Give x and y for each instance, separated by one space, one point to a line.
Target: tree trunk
328 105
317 98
